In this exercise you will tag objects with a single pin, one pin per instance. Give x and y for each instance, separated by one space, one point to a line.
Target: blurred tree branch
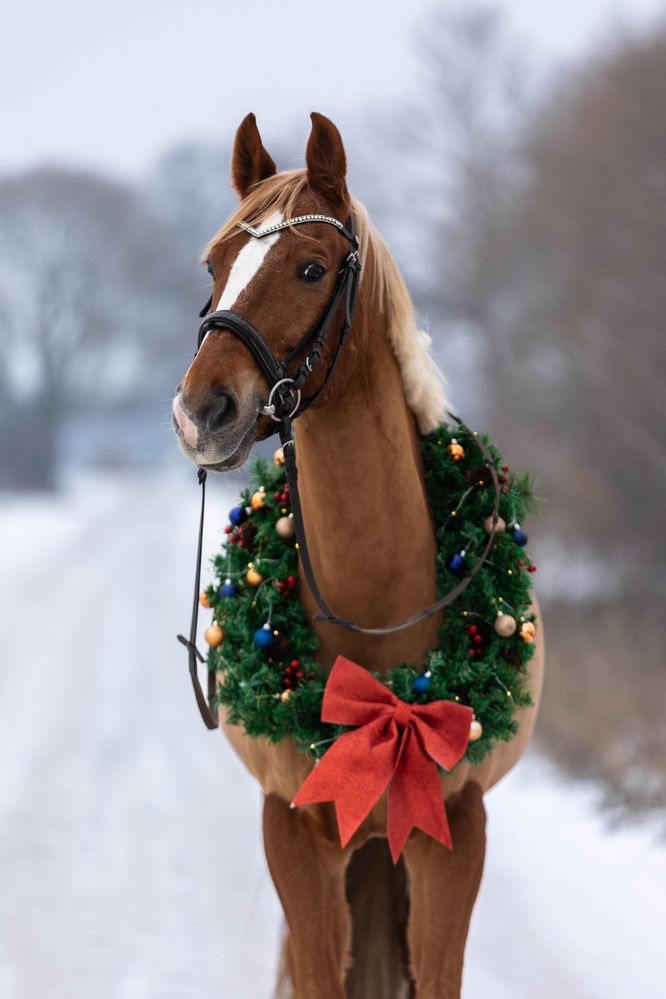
87 283
537 204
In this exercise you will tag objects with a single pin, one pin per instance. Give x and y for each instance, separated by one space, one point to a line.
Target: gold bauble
253 577
456 451
505 625
500 527
475 730
214 635
285 695
528 632
285 527
203 599
258 499
278 457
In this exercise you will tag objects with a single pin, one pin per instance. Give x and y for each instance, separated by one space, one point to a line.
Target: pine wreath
263 647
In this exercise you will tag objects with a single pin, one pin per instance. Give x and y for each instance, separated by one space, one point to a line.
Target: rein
283 405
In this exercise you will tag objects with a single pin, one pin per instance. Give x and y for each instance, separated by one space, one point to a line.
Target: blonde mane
423 381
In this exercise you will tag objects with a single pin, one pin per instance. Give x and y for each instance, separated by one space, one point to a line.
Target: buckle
270 408
352 260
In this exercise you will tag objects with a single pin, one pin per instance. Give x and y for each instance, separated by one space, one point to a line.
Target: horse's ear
250 163
326 160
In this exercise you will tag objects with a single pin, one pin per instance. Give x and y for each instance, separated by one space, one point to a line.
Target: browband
286 224
297 220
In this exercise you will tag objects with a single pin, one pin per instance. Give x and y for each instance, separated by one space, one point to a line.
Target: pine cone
510 656
280 647
248 532
479 475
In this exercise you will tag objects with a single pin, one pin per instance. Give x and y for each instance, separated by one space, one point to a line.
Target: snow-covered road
131 864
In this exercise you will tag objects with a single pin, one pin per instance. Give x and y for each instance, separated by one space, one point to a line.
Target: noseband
284 403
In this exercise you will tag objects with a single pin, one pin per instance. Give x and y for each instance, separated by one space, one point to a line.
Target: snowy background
131 861
521 147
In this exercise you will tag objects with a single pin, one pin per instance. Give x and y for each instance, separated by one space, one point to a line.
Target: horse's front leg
443 888
308 869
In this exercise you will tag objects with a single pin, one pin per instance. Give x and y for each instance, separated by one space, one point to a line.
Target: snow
131 862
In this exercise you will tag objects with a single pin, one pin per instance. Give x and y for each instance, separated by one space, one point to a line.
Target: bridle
285 395
284 403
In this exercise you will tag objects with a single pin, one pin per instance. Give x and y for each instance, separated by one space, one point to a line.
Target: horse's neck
366 515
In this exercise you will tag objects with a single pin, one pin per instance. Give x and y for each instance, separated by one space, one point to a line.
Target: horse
356 925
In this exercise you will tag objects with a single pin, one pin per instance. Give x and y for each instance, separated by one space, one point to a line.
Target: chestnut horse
357 926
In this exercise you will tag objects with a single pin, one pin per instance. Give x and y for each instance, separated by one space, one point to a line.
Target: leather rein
284 404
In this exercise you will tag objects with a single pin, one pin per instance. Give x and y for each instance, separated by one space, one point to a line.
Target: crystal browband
287 223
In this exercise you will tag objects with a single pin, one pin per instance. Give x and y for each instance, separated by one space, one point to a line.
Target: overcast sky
111 85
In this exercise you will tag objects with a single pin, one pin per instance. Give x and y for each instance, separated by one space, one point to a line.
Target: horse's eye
311 271
209 268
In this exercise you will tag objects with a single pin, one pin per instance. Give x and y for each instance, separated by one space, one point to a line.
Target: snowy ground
131 865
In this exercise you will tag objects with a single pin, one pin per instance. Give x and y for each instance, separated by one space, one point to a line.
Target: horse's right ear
250 163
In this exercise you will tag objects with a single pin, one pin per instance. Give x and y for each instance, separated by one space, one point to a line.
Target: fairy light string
269 679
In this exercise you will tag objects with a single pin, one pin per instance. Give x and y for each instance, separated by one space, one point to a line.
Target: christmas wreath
263 648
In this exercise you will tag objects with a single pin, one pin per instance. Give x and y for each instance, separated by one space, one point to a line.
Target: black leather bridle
285 394
285 402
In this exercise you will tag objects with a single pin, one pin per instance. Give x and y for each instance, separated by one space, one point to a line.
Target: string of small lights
263 649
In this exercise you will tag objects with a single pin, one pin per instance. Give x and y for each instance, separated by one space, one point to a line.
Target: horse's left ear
326 160
250 163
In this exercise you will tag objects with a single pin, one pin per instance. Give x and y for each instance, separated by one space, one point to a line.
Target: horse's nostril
221 410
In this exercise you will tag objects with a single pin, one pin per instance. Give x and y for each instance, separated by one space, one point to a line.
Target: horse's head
281 283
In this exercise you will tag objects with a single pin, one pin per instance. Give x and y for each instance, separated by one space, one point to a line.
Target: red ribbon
397 745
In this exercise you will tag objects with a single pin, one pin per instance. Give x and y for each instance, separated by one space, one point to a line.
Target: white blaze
247 263
244 268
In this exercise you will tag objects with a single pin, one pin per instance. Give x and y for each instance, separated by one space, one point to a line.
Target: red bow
397 746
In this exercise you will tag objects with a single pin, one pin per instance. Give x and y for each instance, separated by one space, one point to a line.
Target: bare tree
87 293
549 249
575 324
444 154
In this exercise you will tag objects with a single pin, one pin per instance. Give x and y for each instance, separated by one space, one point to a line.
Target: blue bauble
420 683
456 562
519 536
263 638
237 515
228 589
